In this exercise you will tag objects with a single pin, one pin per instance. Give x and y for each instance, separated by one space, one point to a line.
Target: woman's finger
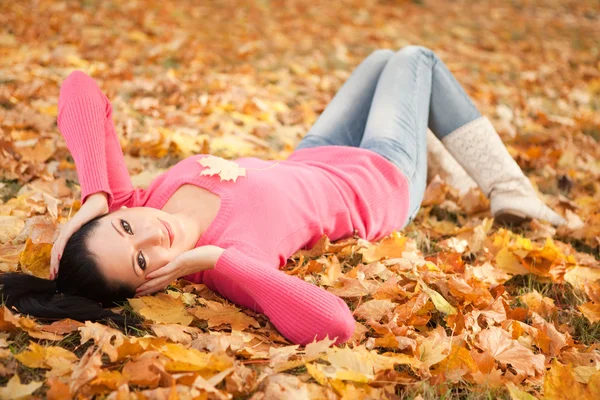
154 284
162 271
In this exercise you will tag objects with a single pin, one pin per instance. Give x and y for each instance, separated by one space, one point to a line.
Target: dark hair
79 291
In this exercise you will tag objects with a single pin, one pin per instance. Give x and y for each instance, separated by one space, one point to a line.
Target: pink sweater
264 217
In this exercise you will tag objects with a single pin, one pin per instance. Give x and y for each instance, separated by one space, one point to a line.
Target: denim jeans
387 105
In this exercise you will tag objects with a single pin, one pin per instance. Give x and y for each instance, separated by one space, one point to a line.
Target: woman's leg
417 90
400 114
343 121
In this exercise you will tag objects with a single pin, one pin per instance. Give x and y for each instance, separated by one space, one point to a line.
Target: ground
454 306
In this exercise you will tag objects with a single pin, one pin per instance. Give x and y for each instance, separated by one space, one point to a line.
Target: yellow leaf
317 347
35 258
560 383
10 227
14 390
508 262
183 359
390 247
440 303
43 357
162 308
227 170
518 394
579 276
591 311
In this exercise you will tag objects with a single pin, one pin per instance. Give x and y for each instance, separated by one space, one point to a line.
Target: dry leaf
218 314
227 170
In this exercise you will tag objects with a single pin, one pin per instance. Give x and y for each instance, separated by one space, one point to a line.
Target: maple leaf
591 311
505 350
227 170
374 309
15 390
52 357
560 382
102 336
217 314
162 308
183 359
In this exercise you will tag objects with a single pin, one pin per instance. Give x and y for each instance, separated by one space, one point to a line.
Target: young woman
362 168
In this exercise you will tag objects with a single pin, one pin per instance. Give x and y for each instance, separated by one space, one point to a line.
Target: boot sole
510 217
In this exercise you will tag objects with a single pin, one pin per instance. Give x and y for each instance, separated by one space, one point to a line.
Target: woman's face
132 242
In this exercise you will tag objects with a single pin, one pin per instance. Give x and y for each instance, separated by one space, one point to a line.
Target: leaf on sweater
220 314
227 170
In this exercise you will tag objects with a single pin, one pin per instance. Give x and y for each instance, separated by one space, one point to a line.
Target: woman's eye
126 227
141 261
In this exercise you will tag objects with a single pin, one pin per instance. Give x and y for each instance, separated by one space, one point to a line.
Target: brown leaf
508 351
218 314
374 309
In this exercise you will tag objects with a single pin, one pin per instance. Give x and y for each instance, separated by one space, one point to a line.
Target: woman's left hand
198 259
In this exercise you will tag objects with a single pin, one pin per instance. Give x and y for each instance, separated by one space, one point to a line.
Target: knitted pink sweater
264 217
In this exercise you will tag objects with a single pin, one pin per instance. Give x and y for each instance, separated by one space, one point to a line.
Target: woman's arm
299 310
85 120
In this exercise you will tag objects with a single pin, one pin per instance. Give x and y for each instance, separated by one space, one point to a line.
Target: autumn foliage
453 307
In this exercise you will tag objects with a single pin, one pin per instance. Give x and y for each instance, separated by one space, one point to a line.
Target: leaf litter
452 306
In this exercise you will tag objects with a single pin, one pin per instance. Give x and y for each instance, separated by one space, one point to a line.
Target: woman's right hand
96 204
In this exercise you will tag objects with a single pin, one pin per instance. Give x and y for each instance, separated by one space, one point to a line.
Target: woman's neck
196 208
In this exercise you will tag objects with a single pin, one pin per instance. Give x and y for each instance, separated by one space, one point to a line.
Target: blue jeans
387 105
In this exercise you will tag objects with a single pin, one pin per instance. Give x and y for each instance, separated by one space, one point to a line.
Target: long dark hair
79 291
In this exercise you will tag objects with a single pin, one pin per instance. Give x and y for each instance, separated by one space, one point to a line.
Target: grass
447 391
566 299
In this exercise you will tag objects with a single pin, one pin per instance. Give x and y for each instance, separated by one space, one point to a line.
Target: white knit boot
440 162
479 149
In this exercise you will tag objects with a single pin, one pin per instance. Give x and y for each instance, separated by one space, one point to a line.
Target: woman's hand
198 259
96 204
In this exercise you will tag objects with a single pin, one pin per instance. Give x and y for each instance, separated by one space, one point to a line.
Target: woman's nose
150 237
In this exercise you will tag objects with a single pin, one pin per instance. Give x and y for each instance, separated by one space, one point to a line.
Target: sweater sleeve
85 120
299 310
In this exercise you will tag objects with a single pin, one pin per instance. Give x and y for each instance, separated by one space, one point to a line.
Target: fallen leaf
508 351
14 390
218 314
591 311
162 308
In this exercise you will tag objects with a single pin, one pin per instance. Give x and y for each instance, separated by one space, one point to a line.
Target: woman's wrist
203 258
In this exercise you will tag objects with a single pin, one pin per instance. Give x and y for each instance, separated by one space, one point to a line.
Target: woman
362 168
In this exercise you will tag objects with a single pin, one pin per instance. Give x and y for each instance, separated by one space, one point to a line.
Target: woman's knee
416 51
377 60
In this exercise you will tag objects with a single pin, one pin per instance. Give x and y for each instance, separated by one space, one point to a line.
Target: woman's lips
169 230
